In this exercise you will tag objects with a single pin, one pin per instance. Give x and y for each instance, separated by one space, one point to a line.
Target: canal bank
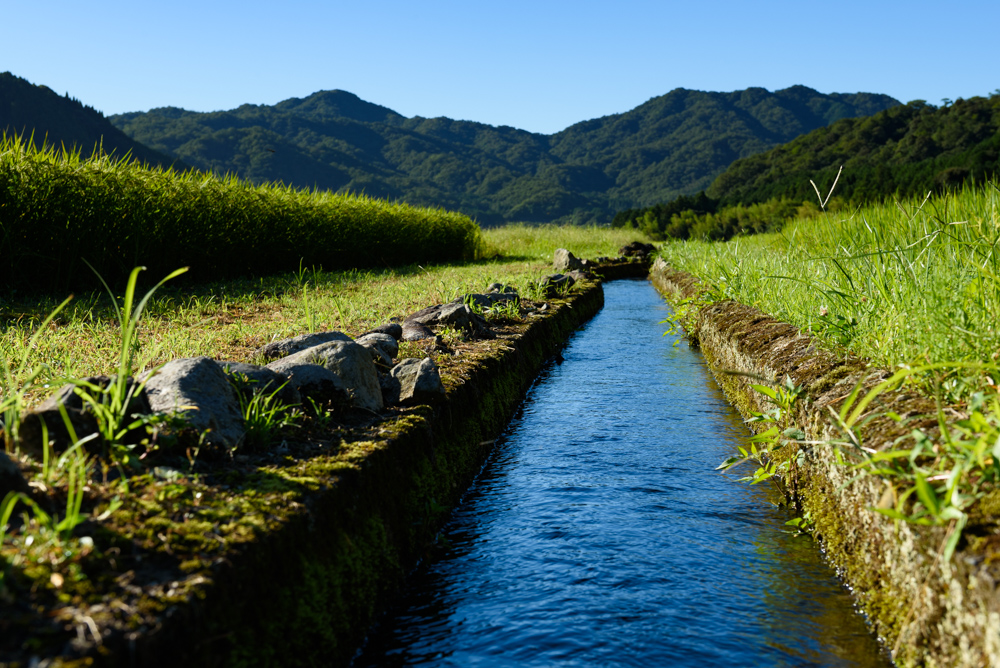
929 611
285 557
600 533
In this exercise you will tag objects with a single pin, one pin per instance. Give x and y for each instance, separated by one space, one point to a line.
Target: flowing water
600 533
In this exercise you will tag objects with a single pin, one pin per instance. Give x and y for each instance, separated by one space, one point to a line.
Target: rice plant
58 210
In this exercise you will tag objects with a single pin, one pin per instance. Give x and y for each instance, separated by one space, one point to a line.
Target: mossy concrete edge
926 611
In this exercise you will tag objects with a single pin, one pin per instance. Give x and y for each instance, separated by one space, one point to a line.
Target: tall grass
915 285
58 209
912 282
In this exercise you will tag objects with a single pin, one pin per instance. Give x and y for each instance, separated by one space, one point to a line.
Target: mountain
906 150
673 144
60 120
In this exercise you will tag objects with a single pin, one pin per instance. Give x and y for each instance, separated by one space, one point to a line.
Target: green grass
58 209
897 283
913 286
228 320
539 242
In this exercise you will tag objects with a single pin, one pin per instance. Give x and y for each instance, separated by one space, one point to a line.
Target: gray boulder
250 379
79 413
198 389
348 360
554 285
419 381
500 287
390 387
488 300
11 479
414 331
286 347
563 261
383 347
454 315
393 329
314 381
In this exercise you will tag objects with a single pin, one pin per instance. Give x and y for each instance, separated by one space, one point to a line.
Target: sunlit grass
59 211
913 285
538 242
907 283
230 320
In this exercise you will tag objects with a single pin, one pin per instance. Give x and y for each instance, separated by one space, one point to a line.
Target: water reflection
600 532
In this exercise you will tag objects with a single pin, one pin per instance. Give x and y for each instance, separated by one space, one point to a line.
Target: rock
382 347
457 316
11 478
414 331
348 360
390 387
251 379
555 285
315 382
637 249
286 347
198 389
488 300
563 261
500 287
79 413
419 381
393 329
579 275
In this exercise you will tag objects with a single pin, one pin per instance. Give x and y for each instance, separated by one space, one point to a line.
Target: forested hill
906 150
673 144
63 121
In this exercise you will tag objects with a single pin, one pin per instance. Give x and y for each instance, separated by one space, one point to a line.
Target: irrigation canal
600 532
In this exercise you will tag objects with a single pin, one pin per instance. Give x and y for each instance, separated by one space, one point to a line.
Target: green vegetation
907 150
39 113
912 286
537 243
900 283
85 530
672 144
58 211
700 217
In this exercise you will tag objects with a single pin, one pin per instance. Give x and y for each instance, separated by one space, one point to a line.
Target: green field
60 212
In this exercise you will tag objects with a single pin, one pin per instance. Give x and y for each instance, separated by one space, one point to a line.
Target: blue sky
538 65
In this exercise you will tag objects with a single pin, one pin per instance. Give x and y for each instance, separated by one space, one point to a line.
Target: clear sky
540 65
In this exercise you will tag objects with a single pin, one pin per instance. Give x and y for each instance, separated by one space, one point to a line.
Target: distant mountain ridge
27 109
673 144
906 150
